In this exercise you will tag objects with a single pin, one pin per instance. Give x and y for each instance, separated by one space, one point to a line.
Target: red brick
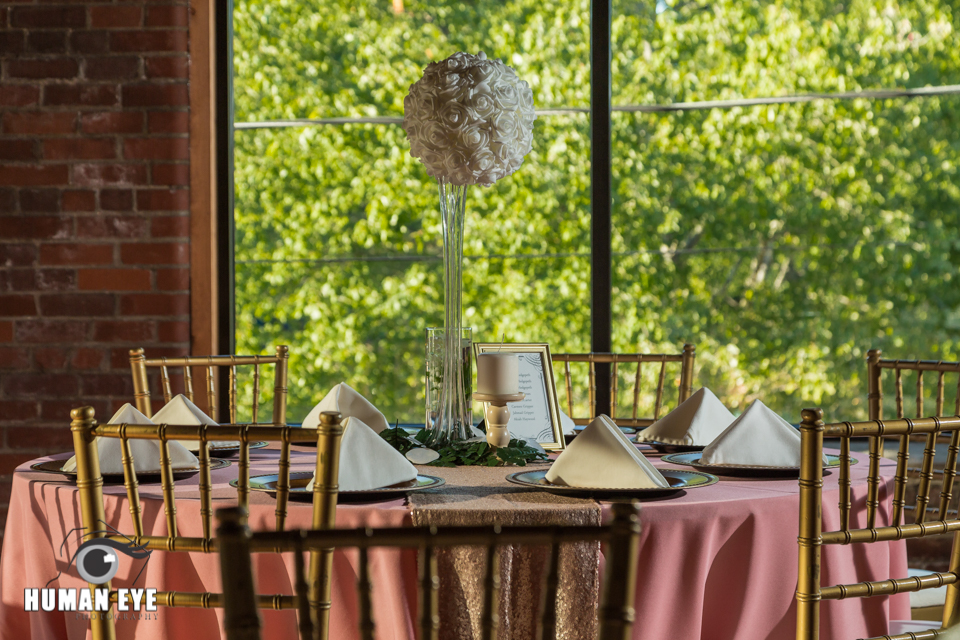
173 331
8 200
101 175
79 201
48 17
91 95
51 358
14 358
40 200
15 410
168 122
123 331
173 279
59 410
17 305
19 150
106 17
40 437
116 200
170 227
17 255
155 253
50 331
156 149
39 123
35 227
76 254
112 68
171 174
107 384
44 69
88 41
46 42
114 280
11 42
18 95
87 358
163 200
112 227
153 304
6 332
167 67
79 149
10 461
112 122
77 304
155 95
168 16
55 279
22 176
148 41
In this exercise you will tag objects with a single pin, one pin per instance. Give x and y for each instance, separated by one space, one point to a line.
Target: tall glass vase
455 416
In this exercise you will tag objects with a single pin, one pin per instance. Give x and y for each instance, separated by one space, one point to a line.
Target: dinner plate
678 479
53 466
226 451
300 479
692 459
663 447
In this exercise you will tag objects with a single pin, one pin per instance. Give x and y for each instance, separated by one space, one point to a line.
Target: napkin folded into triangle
367 461
181 411
345 400
146 453
602 457
757 437
698 420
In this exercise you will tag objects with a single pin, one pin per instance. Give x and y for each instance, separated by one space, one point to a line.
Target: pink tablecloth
715 563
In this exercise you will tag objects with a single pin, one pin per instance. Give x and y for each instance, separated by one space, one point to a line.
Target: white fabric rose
469 119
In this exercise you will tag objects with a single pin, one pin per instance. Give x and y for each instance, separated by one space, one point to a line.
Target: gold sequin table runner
482 496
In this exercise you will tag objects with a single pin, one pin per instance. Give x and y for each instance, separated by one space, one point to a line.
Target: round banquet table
715 563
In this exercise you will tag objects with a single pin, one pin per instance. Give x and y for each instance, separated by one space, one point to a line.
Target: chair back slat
920 413
489 618
305 621
811 536
949 474
900 481
548 621
283 479
232 375
619 592
211 393
899 393
685 360
166 484
325 489
165 383
256 393
429 586
844 484
243 473
939 405
241 620
365 596
659 401
205 486
131 485
614 388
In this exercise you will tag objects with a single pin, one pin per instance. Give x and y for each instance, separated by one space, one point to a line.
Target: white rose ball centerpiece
470 121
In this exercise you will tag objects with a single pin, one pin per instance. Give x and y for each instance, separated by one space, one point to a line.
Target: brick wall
94 247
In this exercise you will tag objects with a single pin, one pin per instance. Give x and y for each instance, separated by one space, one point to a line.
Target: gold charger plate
663 447
54 466
692 459
228 450
679 480
300 479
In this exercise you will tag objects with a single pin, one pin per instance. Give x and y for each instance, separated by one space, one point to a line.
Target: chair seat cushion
926 597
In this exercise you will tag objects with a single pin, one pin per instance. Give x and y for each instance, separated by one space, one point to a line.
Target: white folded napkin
697 421
567 425
146 453
758 437
180 411
366 460
603 457
344 399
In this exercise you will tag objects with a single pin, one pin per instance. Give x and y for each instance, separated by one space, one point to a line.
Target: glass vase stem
455 414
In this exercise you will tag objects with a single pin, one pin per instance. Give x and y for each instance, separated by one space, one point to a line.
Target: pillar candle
498 373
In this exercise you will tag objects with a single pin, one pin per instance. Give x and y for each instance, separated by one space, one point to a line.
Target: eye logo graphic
97 560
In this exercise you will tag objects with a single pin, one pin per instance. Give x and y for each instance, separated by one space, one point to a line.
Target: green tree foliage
783 240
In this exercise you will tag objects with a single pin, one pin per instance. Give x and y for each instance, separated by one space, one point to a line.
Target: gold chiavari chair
686 360
241 621
85 432
139 364
811 539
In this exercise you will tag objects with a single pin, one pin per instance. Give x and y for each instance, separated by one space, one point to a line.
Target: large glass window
783 239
